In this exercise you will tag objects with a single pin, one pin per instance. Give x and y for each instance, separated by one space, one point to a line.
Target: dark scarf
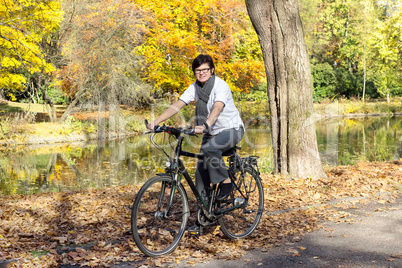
201 110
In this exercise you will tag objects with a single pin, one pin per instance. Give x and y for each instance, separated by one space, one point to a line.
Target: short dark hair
201 59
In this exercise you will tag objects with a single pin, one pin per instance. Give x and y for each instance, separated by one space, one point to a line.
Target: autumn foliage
98 45
140 47
177 31
116 48
24 25
93 227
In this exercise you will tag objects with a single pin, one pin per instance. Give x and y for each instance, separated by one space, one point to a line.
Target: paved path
371 236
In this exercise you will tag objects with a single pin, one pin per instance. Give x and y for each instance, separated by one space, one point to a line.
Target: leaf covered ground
92 227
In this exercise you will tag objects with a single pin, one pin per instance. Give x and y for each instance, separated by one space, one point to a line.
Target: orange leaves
112 44
54 222
93 227
179 30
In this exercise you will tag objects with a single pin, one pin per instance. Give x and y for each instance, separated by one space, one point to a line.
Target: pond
75 166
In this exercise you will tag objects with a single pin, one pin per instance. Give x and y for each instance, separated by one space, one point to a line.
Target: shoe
224 190
194 229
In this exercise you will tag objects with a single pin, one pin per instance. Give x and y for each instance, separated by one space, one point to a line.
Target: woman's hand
199 129
151 126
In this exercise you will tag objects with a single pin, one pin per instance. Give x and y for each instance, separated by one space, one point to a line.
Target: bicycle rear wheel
243 220
157 228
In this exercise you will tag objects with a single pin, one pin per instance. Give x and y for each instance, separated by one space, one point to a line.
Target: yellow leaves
11 81
217 230
4 243
7 62
270 198
25 23
101 44
183 29
317 196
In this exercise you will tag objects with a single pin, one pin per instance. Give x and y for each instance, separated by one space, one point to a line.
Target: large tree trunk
287 66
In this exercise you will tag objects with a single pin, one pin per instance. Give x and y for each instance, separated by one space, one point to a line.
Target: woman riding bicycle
217 117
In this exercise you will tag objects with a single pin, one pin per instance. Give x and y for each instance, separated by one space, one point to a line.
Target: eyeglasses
202 71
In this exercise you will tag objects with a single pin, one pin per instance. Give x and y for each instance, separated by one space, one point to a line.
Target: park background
138 53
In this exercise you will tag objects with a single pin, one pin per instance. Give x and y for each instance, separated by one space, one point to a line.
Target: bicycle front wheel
243 220
159 216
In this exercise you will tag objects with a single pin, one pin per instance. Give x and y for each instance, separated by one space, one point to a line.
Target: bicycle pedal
195 230
199 232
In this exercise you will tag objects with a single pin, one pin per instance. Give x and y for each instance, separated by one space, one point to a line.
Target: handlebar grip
146 122
173 130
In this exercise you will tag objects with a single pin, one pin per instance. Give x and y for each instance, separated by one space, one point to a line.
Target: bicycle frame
179 168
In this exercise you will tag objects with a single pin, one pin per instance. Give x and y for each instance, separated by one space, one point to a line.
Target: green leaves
386 45
361 37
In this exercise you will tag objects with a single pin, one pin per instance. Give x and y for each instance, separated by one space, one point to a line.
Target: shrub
324 81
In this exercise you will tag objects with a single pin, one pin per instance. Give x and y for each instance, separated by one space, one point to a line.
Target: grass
344 107
12 107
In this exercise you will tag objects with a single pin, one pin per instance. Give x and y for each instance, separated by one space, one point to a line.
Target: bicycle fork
160 215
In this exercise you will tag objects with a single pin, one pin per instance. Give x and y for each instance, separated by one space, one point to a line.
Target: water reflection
86 165
61 168
343 142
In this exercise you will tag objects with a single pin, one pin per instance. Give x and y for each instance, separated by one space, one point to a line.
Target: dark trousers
212 168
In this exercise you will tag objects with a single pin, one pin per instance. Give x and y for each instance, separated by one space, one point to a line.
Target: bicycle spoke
242 221
154 232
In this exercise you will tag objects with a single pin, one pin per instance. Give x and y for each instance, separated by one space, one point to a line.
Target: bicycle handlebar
171 130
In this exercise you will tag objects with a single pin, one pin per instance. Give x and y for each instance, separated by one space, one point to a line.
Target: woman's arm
168 113
213 116
216 111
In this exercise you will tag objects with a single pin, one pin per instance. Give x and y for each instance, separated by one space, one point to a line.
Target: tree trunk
71 106
364 53
102 123
51 110
2 98
290 87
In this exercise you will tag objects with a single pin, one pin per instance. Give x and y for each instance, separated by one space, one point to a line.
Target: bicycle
161 210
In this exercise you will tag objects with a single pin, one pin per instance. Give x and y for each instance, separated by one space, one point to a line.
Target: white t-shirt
229 117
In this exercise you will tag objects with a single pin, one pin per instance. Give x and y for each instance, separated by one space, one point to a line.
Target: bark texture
280 33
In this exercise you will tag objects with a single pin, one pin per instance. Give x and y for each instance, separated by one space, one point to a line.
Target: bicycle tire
153 232
242 222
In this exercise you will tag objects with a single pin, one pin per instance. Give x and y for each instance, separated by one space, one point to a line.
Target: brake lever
191 132
158 128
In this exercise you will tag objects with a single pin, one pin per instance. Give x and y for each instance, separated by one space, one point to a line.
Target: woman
215 114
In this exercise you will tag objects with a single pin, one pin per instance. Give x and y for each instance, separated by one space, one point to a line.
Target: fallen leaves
92 227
